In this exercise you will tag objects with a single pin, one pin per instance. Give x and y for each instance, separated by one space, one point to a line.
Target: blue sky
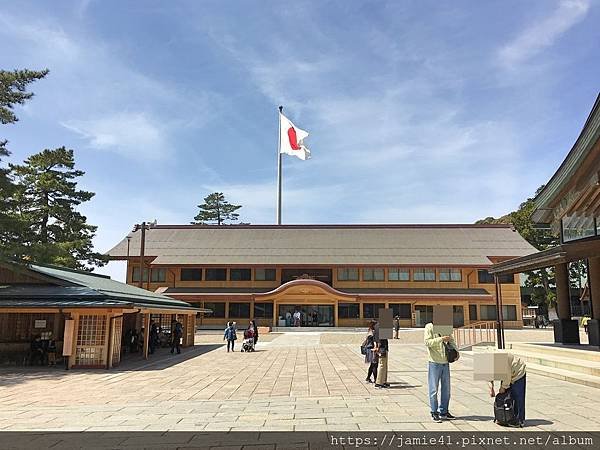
418 111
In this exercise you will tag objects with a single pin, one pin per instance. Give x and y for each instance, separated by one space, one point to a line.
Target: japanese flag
292 139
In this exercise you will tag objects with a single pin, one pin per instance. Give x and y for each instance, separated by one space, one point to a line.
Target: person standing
230 335
177 335
255 329
438 374
515 382
371 356
153 338
383 353
397 327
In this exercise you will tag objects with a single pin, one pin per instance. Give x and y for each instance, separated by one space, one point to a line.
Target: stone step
575 352
560 362
564 375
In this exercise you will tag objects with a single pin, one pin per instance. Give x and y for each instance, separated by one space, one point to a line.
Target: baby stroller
248 344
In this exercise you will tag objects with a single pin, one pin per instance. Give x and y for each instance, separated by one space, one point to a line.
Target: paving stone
287 386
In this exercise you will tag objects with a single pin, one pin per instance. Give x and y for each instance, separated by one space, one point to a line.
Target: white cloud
543 33
130 134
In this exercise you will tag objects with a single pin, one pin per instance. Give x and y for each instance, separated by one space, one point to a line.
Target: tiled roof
326 244
76 288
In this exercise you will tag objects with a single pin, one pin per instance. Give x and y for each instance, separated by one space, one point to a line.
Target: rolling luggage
505 413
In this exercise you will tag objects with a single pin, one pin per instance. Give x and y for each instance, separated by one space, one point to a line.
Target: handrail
475 333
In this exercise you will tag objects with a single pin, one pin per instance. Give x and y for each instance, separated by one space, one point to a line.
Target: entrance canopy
561 254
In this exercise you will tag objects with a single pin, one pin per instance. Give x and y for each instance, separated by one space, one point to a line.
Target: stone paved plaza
294 381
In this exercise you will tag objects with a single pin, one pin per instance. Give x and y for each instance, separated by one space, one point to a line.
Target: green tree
540 282
216 210
47 197
13 91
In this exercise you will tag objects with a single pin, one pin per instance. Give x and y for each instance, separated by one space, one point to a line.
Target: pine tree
47 197
216 210
13 91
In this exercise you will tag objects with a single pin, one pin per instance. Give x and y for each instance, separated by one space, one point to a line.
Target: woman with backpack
230 335
371 355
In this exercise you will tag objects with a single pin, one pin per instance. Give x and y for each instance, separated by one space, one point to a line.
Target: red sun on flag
293 139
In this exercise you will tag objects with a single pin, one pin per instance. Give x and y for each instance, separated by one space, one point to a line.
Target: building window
264 274
158 275
373 274
458 317
398 274
473 313
578 227
239 310
217 308
191 275
484 277
450 275
402 310
216 274
348 311
424 274
240 274
347 274
135 275
488 312
371 310
263 310
423 315
509 312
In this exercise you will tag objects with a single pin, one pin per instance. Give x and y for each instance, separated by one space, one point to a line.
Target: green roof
109 289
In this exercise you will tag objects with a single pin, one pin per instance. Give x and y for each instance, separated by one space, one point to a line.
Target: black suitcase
504 410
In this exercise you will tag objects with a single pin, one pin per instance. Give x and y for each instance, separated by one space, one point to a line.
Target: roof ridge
68 269
332 226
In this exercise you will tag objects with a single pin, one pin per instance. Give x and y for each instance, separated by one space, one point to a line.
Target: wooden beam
146 334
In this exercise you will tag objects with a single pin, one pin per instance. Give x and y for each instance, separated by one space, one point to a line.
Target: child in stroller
248 344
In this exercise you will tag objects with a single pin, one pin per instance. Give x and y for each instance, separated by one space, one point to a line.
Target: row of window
159 275
241 310
418 274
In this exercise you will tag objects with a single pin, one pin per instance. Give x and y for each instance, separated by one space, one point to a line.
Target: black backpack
504 409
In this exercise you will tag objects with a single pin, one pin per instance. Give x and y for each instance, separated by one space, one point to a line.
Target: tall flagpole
279 169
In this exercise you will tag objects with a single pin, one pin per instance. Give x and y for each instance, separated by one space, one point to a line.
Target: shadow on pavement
162 359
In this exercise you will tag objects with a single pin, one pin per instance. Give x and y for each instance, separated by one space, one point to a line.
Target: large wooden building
335 275
570 205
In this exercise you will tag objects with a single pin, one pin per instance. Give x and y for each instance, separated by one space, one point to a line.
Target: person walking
177 334
397 327
438 374
230 335
584 322
514 382
371 356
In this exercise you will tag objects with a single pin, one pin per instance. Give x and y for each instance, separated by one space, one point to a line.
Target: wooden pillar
335 313
111 340
563 307
146 334
594 283
275 315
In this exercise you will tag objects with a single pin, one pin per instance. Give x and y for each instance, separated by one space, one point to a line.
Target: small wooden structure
84 313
